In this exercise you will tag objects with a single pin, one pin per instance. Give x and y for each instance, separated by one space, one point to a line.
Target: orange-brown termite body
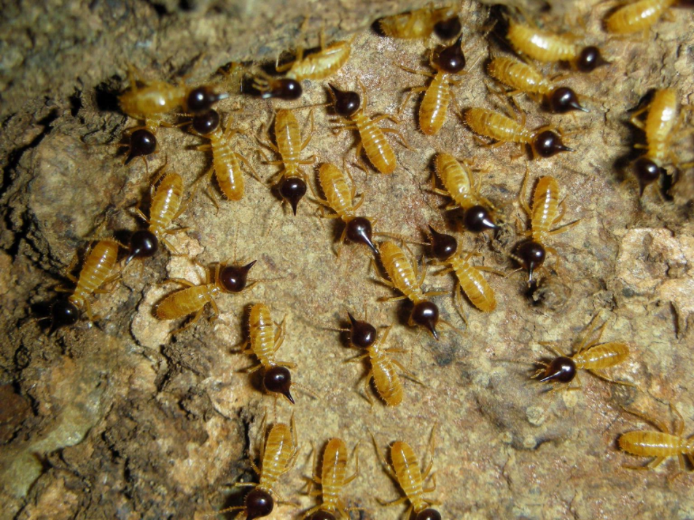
637 16
405 470
332 481
415 24
373 141
658 444
97 269
340 198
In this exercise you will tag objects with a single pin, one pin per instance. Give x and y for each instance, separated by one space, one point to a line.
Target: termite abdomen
346 102
426 314
362 334
452 59
478 219
428 514
259 503
142 142
143 244
292 189
206 123
442 246
234 277
532 256
589 59
279 380
448 29
64 313
563 100
359 230
646 171
547 144
561 369
201 99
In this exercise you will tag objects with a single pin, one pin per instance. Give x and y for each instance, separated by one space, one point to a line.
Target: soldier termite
225 161
142 142
658 444
637 16
340 198
403 277
405 471
96 271
292 179
279 453
332 481
420 23
458 183
348 109
522 77
193 299
546 212
590 355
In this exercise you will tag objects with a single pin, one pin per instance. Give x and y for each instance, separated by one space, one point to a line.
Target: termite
543 142
165 207
383 370
332 481
523 77
546 212
546 46
637 16
264 342
403 278
405 470
434 107
373 141
340 198
292 179
225 161
277 457
141 143
194 298
419 23
97 270
661 444
459 185
592 356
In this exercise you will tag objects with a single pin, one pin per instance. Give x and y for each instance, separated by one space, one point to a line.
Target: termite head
563 100
428 514
282 88
292 189
359 230
426 314
233 278
63 313
322 515
279 380
548 143
201 99
361 333
647 172
205 124
259 503
442 246
451 59
562 370
143 244
532 256
142 142
478 219
448 29
590 59
347 103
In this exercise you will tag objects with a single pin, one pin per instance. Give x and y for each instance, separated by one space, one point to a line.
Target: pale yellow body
279 450
262 334
152 100
601 356
400 271
95 271
377 148
540 45
406 467
456 180
338 194
473 284
386 379
518 75
637 16
434 107
415 24
334 474
655 444
497 126
187 301
226 166
660 121
545 208
322 64
166 203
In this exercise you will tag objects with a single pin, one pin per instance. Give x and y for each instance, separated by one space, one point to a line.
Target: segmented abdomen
322 64
377 148
165 203
262 334
409 475
278 450
226 167
432 111
455 179
474 285
540 45
602 356
157 97
660 121
96 269
653 444
496 126
400 271
517 75
186 301
337 193
637 16
545 207
334 472
288 136
386 379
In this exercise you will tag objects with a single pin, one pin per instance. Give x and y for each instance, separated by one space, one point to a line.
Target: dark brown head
63 313
346 102
448 29
233 278
201 99
283 88
478 219
442 246
322 515
359 230
428 514
206 123
279 380
259 503
142 142
590 59
451 59
143 244
561 370
548 143
563 100
292 189
646 171
426 314
532 256
361 333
